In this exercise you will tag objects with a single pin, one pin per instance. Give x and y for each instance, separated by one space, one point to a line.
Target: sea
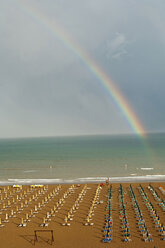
81 159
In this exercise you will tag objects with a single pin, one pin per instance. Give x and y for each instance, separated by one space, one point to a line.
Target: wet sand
77 234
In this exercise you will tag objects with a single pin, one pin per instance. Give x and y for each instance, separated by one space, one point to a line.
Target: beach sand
77 234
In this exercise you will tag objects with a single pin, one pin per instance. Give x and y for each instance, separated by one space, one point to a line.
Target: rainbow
95 69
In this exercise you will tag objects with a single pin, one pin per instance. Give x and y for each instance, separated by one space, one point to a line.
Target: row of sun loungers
109 221
152 211
139 216
69 217
160 201
95 201
162 190
123 216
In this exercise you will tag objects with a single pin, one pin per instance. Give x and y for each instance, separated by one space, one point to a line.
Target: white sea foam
29 171
147 178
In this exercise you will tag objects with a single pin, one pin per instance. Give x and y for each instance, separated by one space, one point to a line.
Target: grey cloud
46 89
116 48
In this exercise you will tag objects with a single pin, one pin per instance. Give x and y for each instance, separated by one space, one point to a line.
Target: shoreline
129 179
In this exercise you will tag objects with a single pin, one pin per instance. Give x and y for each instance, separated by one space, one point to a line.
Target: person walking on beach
107 181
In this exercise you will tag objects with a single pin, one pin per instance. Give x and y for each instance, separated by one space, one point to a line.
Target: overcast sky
46 90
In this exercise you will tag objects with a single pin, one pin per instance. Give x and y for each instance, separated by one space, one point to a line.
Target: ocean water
82 158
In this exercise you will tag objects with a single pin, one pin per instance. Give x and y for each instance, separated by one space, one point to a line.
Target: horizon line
80 135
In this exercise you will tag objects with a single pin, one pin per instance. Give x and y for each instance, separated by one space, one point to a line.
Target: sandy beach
52 203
